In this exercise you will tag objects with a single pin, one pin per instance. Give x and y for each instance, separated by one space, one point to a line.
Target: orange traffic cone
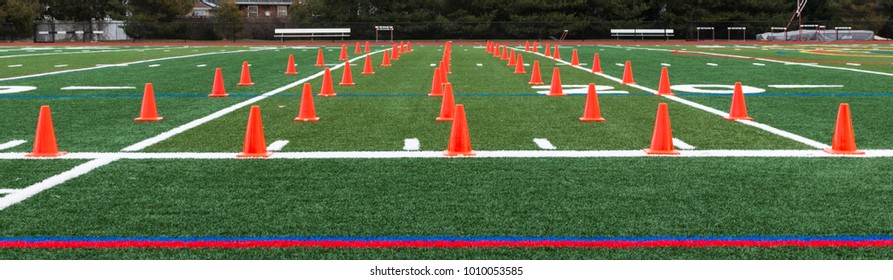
519 65
535 78
45 137
662 139
628 74
511 59
444 78
460 141
290 68
409 46
343 55
401 48
245 79
664 87
574 60
148 112
496 50
527 46
436 83
308 111
367 66
556 55
556 90
386 59
487 46
346 76
446 66
320 60
844 141
327 89
255 145
218 89
739 108
536 47
366 47
548 51
596 64
357 49
592 112
448 105
394 54
505 53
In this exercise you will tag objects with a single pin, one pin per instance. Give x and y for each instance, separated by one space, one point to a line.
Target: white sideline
764 127
439 154
11 144
96 88
190 125
411 144
277 145
79 170
544 143
8 191
682 145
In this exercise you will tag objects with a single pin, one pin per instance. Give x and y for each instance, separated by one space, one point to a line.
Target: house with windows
249 8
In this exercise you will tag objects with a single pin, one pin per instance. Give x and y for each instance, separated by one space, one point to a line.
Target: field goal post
711 29
384 28
737 28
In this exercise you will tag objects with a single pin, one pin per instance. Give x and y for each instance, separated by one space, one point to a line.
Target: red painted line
613 244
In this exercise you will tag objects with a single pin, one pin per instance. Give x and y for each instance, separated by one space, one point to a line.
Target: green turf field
793 95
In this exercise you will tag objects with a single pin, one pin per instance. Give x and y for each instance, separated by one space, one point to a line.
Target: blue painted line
456 238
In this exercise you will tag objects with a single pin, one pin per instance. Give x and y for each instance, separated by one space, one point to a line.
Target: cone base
435 94
368 73
633 83
148 119
464 154
385 65
666 94
244 84
327 95
535 83
592 119
661 152
254 155
347 84
58 154
218 95
520 72
835 152
597 72
290 73
299 119
442 119
739 118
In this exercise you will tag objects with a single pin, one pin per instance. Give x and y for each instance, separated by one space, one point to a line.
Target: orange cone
448 105
218 89
148 112
290 68
556 55
357 49
664 87
255 145
386 59
511 59
320 60
487 46
574 60
366 47
535 78
343 55
400 48
628 74
596 64
536 47
436 83
45 137
662 139
526 46
394 54
444 78
592 112
346 76
367 66
739 108
327 89
245 79
460 141
308 111
496 50
505 53
548 51
556 90
446 66
519 65
844 141
409 46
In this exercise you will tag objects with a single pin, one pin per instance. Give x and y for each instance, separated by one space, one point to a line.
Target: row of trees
21 14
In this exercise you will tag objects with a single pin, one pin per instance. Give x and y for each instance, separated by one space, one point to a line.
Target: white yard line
479 65
14 66
32 190
8 191
806 86
201 65
682 145
665 64
277 145
96 88
81 52
61 65
411 144
759 64
154 65
11 144
544 143
712 64
854 64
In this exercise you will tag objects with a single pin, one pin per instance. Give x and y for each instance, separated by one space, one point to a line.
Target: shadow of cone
346 76
218 89
592 112
460 141
436 83
148 112
664 87
448 105
308 111
367 66
628 74
343 55
844 142
596 64
255 145
535 77
556 88
290 68
320 60
245 78
662 139
45 137
327 89
738 110
575 61
386 59
519 65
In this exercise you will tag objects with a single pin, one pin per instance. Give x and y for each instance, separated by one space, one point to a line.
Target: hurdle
810 26
838 29
779 29
706 28
736 28
384 28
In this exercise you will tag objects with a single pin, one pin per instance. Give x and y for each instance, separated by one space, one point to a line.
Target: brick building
249 8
